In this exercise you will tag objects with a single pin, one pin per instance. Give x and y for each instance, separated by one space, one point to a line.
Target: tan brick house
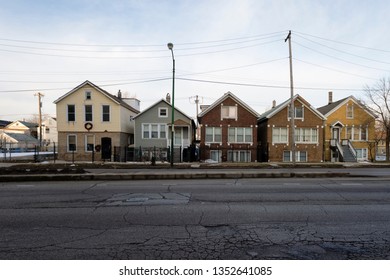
274 133
228 131
349 130
93 123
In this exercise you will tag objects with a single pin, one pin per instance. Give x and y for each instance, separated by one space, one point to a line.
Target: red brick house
228 131
274 133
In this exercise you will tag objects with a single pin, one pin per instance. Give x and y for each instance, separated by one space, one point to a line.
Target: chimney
273 104
168 98
119 94
330 97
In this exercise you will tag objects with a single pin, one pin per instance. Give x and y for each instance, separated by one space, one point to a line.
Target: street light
170 46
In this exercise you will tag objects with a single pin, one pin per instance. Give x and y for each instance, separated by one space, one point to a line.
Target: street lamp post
170 46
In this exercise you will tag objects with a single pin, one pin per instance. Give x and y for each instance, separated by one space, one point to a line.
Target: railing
348 143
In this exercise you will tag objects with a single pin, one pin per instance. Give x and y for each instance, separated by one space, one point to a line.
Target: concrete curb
168 176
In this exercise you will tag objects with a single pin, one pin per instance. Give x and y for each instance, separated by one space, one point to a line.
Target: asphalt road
323 218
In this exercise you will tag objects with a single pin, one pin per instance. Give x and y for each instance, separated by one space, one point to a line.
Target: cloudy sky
51 46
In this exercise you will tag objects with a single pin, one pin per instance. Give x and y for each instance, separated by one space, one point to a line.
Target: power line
340 59
344 43
355 55
140 45
335 70
266 86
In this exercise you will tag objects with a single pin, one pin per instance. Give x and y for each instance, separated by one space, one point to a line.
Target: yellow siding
97 101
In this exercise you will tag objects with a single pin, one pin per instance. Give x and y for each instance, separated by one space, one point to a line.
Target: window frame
106 114
279 134
230 110
213 134
88 116
162 109
68 147
71 113
87 144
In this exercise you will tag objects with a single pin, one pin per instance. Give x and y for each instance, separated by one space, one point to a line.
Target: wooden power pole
40 95
292 109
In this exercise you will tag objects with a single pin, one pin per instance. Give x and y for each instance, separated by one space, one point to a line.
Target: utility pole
196 102
292 109
40 95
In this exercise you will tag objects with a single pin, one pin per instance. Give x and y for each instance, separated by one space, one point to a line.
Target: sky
219 46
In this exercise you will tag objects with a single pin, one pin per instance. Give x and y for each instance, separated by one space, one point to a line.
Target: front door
336 133
106 148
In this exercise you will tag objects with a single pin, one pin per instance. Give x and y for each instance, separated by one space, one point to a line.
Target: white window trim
86 94
67 112
235 135
109 115
239 153
300 141
85 113
213 142
86 142
158 130
280 142
353 134
297 156
295 113
346 111
159 112
67 143
229 118
219 154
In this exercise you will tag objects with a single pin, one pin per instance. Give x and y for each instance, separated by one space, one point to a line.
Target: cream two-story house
93 123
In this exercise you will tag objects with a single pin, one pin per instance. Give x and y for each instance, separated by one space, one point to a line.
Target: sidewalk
114 171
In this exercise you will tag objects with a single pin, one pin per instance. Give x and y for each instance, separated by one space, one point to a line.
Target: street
291 218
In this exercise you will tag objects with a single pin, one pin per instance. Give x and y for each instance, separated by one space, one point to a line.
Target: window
89 143
88 95
363 134
213 135
215 155
239 156
106 113
298 112
300 156
349 111
146 133
163 131
349 133
72 140
71 113
240 135
163 112
362 154
306 135
280 135
357 133
88 113
154 131
228 112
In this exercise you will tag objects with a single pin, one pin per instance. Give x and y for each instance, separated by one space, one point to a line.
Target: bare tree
378 100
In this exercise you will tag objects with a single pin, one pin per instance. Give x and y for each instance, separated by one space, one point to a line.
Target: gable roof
4 123
114 98
334 106
330 107
26 124
166 103
270 113
20 137
224 97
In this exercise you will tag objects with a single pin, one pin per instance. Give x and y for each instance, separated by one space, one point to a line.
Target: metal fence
27 152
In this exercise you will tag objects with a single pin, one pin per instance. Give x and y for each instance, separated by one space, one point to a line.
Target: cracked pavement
327 218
